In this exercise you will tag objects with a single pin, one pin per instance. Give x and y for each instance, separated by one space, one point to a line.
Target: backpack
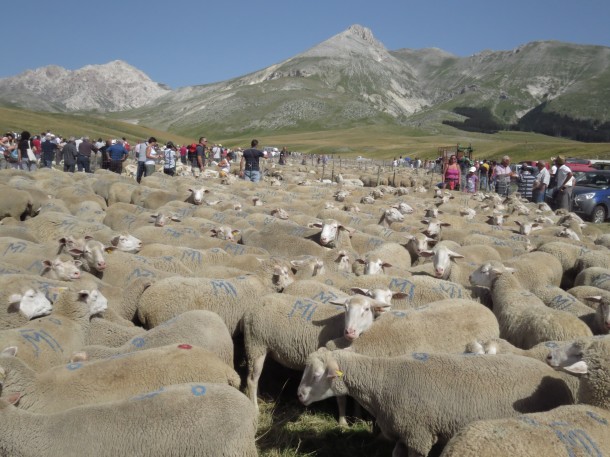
191 151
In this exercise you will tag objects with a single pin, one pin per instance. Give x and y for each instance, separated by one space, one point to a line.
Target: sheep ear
109 249
83 295
314 225
339 301
518 223
360 291
10 351
15 299
399 295
13 398
594 298
579 367
426 253
379 308
360 261
176 219
80 356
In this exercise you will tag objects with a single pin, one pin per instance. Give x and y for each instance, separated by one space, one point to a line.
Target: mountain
348 80
115 86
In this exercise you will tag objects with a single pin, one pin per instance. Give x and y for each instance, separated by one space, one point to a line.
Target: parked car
579 164
591 195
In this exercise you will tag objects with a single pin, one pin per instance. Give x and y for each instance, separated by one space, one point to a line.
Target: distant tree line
537 120
553 124
478 120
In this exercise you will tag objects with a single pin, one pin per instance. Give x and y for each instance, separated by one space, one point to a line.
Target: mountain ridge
346 80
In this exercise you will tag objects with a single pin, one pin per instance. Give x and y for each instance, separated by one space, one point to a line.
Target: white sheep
106 430
50 340
523 317
82 383
567 430
403 392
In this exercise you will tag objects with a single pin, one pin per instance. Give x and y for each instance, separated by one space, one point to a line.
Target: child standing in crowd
471 180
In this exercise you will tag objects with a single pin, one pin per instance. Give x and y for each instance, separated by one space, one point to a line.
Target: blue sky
188 42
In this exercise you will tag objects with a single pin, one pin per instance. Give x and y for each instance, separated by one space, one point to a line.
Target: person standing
151 156
199 159
471 181
49 148
565 185
183 151
503 174
85 149
169 159
117 154
452 174
543 179
22 155
70 153
249 167
525 182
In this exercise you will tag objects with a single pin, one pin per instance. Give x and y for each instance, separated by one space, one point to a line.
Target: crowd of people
531 182
29 152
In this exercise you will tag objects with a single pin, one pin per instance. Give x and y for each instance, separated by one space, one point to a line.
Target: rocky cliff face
115 86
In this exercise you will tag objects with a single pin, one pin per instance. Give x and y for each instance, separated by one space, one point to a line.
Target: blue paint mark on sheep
54 320
308 308
224 287
452 290
562 302
38 337
551 344
597 418
148 394
421 356
192 256
375 243
15 248
140 273
138 342
324 297
298 231
399 313
577 441
600 280
74 366
529 421
236 249
198 391
173 233
35 266
219 217
402 285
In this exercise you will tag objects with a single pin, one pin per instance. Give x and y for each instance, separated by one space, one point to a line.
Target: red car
579 164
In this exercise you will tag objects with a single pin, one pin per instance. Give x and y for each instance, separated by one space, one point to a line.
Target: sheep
589 361
111 334
196 195
403 392
288 328
126 243
315 290
106 430
566 430
62 270
416 244
30 304
230 298
389 216
400 331
198 328
49 340
81 383
524 319
594 276
419 290
18 206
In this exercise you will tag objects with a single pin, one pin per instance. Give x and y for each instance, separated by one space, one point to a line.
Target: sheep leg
255 368
341 402
400 450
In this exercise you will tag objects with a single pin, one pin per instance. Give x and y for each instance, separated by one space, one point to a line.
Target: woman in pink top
451 174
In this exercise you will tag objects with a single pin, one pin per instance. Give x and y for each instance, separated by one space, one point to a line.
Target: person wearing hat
117 154
70 154
471 181
565 185
503 175
169 159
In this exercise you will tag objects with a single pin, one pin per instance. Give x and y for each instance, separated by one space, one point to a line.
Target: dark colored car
591 195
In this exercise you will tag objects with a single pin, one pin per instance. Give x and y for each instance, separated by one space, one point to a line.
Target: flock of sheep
468 320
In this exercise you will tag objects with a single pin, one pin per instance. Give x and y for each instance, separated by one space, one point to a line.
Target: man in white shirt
542 182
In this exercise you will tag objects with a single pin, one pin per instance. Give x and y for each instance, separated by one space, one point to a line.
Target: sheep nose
101 266
350 334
